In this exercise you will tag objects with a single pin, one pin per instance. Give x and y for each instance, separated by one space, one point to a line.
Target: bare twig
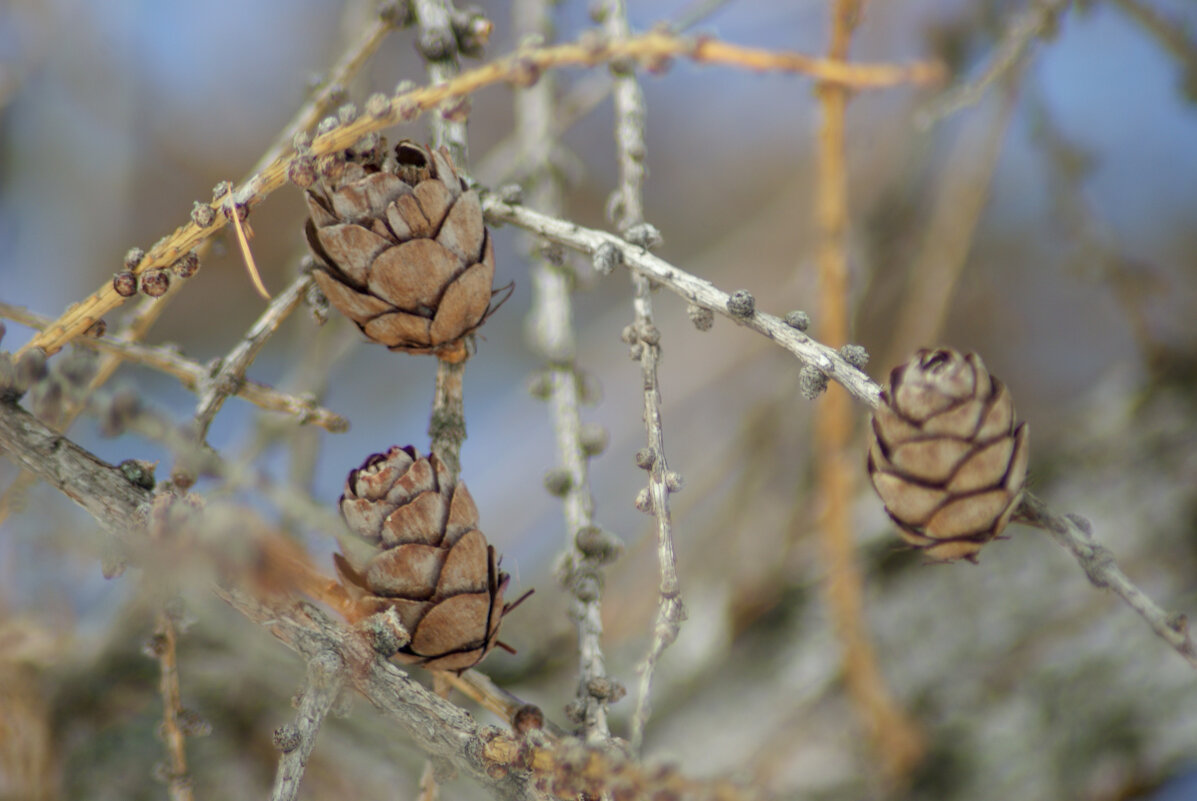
193 374
1037 22
554 339
650 48
694 289
102 490
231 373
703 293
1075 534
510 159
178 783
447 425
326 676
628 203
897 740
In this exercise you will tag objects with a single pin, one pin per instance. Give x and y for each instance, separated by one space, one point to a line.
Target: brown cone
946 456
402 249
428 561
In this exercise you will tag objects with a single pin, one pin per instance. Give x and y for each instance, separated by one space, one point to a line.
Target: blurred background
1049 226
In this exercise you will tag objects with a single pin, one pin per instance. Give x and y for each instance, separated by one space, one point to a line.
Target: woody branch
1169 626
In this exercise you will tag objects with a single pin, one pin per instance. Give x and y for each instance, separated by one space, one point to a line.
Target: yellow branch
653 50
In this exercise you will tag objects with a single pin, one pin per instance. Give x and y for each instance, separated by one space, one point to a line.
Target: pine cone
946 456
402 248
427 559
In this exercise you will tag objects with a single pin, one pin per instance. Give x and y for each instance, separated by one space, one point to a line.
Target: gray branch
227 379
326 676
436 726
694 289
1037 22
1075 535
553 338
631 151
192 374
119 505
1171 627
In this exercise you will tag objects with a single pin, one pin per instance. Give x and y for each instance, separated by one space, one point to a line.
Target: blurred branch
436 726
654 49
332 89
553 339
178 783
628 207
1040 21
509 160
193 374
326 676
896 738
1173 35
961 194
225 380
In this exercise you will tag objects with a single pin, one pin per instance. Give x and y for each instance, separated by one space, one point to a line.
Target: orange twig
177 782
897 739
653 49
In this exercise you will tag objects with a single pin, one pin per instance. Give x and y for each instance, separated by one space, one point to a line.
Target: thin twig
178 782
1075 534
192 374
695 290
650 48
510 159
331 90
231 373
629 203
553 337
703 293
1037 22
897 740
326 676
1172 34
